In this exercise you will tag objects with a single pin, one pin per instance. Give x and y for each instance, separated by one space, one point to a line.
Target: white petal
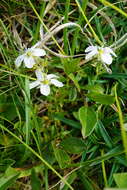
34 84
39 75
90 48
19 60
106 58
51 76
45 89
109 50
29 62
38 52
91 54
56 83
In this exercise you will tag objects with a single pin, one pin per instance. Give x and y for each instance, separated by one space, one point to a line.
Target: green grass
75 138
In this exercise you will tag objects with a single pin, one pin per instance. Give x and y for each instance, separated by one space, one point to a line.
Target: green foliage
8 178
73 145
121 180
88 120
62 157
101 98
35 182
70 179
75 137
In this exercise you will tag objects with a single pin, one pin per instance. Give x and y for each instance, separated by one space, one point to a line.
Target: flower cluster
104 54
30 59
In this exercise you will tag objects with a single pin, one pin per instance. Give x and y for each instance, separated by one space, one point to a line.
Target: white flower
44 81
104 54
29 57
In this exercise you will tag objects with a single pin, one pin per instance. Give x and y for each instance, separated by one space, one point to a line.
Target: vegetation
63 95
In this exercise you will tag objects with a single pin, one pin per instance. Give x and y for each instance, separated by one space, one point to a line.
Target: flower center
46 81
29 53
101 51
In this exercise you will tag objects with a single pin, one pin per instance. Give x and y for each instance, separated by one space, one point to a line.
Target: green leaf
62 157
70 180
73 78
70 66
69 122
121 179
87 183
35 182
116 75
5 164
27 110
72 94
8 107
8 111
10 171
73 145
104 134
96 88
88 120
101 98
114 189
8 179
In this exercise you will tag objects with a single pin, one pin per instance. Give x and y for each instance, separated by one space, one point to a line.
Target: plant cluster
63 80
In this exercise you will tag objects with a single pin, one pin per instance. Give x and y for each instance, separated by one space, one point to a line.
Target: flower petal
106 58
39 75
56 83
91 54
29 62
90 48
51 76
34 84
19 60
109 50
45 89
38 52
